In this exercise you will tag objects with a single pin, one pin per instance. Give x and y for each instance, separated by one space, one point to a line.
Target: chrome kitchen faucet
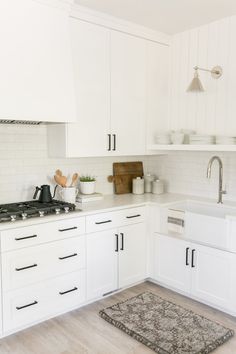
220 189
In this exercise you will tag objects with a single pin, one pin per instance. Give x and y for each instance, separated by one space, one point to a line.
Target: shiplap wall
212 111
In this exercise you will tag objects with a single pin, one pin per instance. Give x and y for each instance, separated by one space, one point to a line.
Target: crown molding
111 22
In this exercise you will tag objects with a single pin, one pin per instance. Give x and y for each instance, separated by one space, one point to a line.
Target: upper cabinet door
90 47
128 93
35 62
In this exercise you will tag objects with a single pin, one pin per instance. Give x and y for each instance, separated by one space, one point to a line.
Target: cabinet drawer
41 233
100 222
30 265
131 216
28 305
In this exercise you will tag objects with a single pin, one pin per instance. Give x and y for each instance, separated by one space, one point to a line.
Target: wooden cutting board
123 173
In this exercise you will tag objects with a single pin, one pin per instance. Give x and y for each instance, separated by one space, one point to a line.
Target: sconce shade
195 85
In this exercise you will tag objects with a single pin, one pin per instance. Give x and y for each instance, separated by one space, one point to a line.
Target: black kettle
45 193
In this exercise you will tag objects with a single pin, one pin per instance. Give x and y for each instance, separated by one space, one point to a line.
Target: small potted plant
87 184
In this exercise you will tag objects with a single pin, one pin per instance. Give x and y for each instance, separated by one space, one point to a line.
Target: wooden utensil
58 173
61 180
74 179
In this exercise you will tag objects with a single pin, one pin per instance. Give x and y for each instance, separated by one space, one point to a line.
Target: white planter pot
87 187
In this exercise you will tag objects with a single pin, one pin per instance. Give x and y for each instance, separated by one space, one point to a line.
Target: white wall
213 111
24 163
185 173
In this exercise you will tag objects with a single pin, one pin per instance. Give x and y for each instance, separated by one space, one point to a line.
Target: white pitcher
69 194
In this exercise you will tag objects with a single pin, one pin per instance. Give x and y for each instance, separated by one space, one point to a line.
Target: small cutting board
123 173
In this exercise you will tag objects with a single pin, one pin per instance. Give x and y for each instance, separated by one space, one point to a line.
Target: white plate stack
225 140
162 139
198 139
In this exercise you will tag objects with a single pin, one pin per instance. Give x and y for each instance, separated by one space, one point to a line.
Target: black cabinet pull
192 263
68 291
102 222
28 305
69 228
114 142
25 237
122 241
186 256
71 255
133 216
27 267
117 242
109 142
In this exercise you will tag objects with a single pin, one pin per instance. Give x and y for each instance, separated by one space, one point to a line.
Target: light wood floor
84 332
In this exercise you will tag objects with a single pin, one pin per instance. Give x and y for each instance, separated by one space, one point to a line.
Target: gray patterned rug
165 327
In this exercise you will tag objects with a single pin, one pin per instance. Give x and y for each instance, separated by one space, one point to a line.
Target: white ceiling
169 16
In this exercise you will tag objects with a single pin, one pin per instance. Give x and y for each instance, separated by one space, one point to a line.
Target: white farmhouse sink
206 222
209 209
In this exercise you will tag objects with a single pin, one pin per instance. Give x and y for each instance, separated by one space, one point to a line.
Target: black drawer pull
102 222
117 243
68 291
109 142
122 241
28 305
186 256
114 142
133 216
25 237
69 228
28 267
71 255
192 263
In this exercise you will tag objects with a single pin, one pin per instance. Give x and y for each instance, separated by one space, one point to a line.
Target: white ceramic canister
157 187
69 194
138 185
148 179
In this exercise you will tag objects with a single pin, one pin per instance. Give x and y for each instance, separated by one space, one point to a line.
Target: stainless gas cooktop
31 209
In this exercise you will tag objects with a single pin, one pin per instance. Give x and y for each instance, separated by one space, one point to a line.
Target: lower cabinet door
172 262
132 254
212 275
27 306
102 261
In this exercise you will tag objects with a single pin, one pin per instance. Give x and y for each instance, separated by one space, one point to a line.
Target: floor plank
84 332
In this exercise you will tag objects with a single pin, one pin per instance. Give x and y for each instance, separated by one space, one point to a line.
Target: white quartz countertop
108 203
111 203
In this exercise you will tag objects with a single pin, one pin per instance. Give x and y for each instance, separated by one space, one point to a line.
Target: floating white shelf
188 147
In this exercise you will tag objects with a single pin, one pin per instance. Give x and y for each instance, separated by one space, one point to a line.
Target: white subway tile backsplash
24 163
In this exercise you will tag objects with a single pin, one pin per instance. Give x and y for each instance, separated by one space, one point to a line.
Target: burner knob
13 217
24 216
67 209
41 213
57 211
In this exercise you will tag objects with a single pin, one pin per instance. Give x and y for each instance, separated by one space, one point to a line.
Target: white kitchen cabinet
171 262
36 62
132 254
102 266
212 275
116 257
202 272
128 93
119 87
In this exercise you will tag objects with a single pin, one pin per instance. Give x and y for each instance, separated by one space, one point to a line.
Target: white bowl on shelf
162 139
177 138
